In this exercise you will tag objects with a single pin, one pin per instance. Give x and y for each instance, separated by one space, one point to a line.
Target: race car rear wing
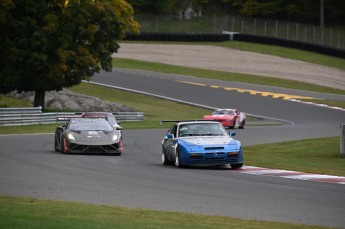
78 115
66 117
192 120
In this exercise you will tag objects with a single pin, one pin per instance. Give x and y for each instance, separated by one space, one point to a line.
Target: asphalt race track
30 167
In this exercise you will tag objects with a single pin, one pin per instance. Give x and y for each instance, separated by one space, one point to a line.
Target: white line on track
291 174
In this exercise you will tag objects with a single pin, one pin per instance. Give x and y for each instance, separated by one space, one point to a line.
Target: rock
67 100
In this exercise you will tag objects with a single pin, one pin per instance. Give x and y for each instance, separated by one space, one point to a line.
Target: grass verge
6 102
331 103
17 212
29 129
320 156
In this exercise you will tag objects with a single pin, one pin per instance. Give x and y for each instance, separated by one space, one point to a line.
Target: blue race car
200 142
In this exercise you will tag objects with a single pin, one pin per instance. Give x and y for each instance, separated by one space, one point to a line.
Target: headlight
232 154
115 137
70 136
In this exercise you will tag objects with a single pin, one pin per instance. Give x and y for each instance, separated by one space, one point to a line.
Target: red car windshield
223 112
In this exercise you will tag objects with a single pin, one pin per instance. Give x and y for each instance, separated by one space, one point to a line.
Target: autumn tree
47 45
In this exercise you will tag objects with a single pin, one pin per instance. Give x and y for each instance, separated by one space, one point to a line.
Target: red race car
229 118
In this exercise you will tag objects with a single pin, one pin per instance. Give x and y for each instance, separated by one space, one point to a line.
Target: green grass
6 102
28 129
320 156
32 213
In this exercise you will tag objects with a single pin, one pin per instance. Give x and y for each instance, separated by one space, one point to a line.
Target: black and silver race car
88 135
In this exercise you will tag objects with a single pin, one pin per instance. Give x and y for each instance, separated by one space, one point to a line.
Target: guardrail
34 115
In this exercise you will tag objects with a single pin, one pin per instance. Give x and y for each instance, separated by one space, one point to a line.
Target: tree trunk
322 15
39 98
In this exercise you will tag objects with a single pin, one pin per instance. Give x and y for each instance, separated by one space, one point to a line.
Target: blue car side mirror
232 134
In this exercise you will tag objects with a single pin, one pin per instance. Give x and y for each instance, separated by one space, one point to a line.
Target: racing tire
178 159
242 125
63 146
121 148
164 158
56 148
236 166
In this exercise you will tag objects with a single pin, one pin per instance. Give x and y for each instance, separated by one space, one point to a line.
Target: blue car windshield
201 129
90 124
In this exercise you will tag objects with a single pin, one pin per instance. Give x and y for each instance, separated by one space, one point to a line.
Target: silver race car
88 135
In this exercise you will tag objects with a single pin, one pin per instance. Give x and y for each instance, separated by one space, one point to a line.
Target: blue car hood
210 141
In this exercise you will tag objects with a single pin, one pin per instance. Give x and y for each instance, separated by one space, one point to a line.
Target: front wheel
233 125
121 148
56 147
178 159
164 158
242 125
63 145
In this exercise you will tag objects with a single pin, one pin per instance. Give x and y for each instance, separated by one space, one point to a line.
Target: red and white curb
291 174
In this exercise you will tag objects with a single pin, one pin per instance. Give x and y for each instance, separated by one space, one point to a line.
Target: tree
51 44
165 6
257 8
152 6
307 11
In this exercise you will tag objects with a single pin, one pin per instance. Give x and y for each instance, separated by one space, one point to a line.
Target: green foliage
164 6
152 6
47 45
307 11
298 10
254 8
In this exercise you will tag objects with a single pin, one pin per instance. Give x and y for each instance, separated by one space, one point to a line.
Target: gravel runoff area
233 60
